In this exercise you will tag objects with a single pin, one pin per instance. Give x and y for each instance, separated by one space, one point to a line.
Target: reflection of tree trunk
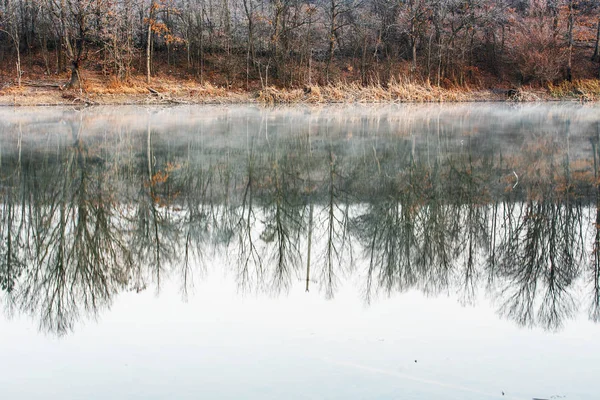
492 246
248 253
149 149
337 222
157 241
469 285
153 199
310 231
8 285
330 245
595 306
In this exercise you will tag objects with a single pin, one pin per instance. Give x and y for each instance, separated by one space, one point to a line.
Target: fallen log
42 84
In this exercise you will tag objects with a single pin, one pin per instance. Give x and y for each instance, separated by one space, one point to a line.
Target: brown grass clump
207 92
271 95
100 86
13 90
522 95
424 92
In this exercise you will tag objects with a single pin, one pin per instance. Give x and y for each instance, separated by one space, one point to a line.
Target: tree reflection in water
84 217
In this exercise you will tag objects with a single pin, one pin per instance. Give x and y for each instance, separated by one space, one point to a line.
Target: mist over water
391 250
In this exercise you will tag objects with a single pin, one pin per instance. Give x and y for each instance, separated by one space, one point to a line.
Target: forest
249 44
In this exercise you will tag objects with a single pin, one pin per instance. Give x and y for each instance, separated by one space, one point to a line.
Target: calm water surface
343 252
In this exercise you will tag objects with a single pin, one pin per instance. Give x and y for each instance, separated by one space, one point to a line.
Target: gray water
338 252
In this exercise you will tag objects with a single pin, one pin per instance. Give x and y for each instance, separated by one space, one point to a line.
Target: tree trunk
60 58
363 62
19 73
570 44
276 37
250 55
148 54
13 33
414 52
17 43
413 43
45 56
332 29
75 81
596 56
76 57
149 42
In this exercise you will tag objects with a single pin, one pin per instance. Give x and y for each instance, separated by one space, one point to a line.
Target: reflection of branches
12 230
473 218
155 228
154 233
544 249
594 309
437 234
434 225
283 224
410 236
337 222
13 246
80 259
195 221
248 252
438 229
387 232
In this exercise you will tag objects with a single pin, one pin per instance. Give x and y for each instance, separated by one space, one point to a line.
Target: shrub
534 52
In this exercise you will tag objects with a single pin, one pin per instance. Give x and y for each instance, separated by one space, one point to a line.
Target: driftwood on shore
164 98
82 99
505 92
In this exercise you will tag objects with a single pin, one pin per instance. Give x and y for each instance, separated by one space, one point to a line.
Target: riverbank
99 91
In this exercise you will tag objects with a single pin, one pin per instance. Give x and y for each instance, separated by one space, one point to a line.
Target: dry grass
210 93
395 91
582 89
13 90
101 89
99 86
